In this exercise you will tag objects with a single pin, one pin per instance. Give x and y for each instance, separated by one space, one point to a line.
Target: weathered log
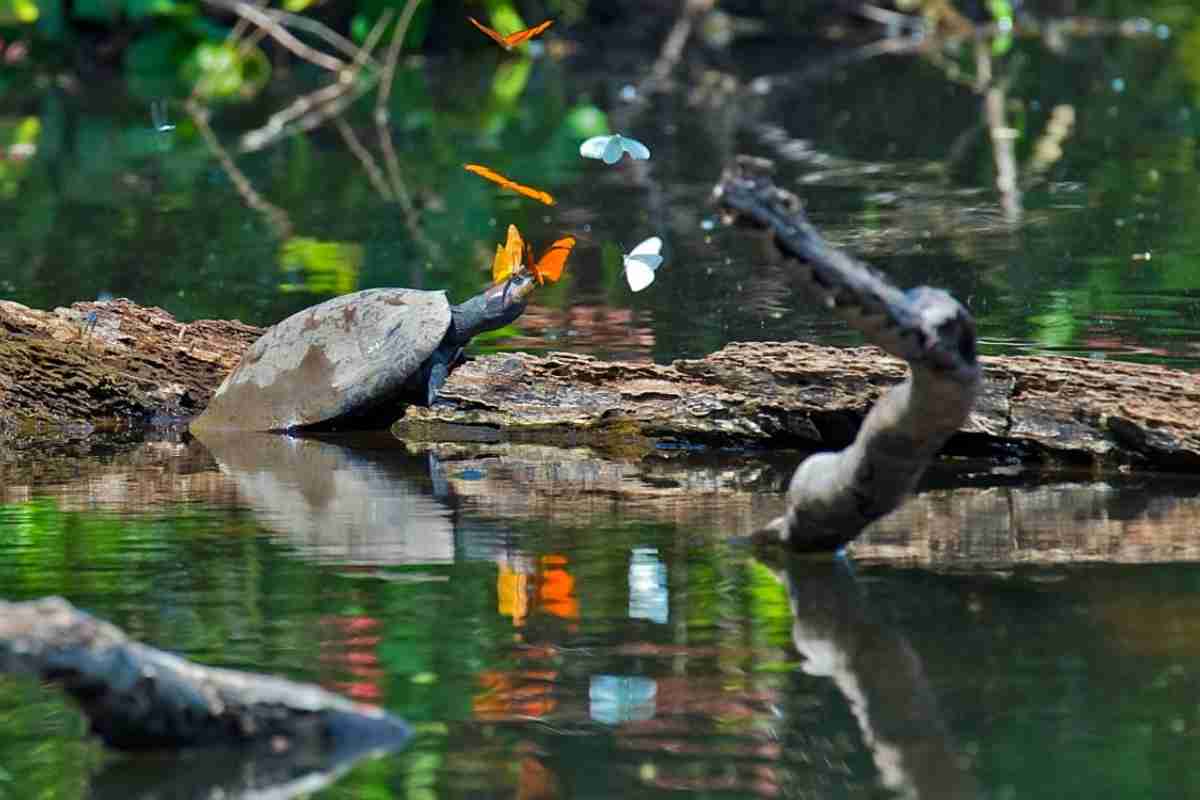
109 363
137 697
134 367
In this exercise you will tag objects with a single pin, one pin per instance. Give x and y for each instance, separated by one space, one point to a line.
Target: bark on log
126 363
134 368
136 697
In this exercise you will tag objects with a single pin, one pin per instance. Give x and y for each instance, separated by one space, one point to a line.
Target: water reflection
366 505
881 678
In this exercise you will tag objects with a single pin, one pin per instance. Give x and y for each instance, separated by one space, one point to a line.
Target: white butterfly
609 149
641 263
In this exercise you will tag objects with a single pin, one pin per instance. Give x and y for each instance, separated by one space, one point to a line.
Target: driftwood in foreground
136 697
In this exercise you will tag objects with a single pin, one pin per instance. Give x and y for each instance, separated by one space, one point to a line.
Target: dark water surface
557 622
560 623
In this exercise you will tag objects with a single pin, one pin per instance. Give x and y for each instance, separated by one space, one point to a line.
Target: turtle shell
340 358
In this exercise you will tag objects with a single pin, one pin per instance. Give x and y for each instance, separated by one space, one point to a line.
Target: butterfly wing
510 184
501 266
486 172
594 147
612 149
529 191
514 39
550 266
641 263
636 150
648 247
514 247
638 273
508 256
497 38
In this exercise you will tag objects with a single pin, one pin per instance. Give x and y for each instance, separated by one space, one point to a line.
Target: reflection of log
498 488
134 365
137 697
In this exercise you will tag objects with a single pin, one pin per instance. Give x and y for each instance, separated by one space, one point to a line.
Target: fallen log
107 364
139 365
136 697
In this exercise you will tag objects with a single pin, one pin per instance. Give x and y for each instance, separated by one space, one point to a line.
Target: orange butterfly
513 39
510 255
508 183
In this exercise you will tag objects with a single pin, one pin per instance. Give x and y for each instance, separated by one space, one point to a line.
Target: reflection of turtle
351 361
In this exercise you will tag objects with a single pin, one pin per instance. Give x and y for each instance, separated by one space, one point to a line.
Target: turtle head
493 308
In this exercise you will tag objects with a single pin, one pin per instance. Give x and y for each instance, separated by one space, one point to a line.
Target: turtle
353 361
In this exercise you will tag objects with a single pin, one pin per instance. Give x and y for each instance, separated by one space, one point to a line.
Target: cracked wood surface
128 363
770 394
139 363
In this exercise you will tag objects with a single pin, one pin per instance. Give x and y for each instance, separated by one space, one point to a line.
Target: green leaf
223 70
18 12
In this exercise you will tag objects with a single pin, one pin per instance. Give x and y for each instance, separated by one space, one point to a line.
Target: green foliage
222 70
18 12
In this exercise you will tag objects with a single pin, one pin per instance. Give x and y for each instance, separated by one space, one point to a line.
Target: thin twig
332 37
266 22
672 49
275 215
393 55
365 158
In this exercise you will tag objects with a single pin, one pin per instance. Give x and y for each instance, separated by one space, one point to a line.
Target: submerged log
136 697
139 364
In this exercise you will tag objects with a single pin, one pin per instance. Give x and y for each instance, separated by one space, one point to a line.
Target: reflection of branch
1048 148
1002 135
672 49
269 23
364 156
875 668
311 110
393 55
275 215
316 28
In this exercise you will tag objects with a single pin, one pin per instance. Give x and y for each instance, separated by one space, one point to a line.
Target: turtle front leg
438 369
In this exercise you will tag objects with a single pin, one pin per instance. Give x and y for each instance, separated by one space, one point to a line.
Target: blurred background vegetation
168 151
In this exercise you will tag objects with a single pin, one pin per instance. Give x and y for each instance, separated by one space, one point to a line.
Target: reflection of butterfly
641 263
549 267
513 39
610 148
507 183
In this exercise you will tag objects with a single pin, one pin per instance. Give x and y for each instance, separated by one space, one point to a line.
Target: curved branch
833 496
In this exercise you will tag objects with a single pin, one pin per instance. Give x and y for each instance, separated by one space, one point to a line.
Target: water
559 622
567 623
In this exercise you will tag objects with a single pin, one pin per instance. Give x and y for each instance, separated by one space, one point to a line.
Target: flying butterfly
609 149
641 263
514 252
513 39
508 183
